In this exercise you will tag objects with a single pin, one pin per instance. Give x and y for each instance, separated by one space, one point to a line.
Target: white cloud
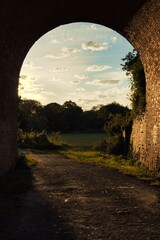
80 90
55 79
47 93
54 41
65 52
87 101
93 46
114 39
30 65
96 68
59 69
76 82
99 82
70 50
29 87
60 56
102 96
120 75
92 27
121 95
80 76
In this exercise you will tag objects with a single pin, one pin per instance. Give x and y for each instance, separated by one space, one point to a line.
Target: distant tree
72 116
53 113
30 116
111 108
134 68
91 122
117 122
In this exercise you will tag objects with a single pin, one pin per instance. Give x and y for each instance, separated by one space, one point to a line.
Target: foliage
134 68
114 144
38 140
24 161
33 117
30 116
39 126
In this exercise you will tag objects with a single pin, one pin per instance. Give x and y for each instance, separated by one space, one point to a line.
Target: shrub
112 145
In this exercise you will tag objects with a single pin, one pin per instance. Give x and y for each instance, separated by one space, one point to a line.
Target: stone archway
23 22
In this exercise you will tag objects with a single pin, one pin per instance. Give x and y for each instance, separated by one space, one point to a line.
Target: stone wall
144 31
138 139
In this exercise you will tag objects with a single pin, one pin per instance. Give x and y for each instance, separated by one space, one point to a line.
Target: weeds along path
68 200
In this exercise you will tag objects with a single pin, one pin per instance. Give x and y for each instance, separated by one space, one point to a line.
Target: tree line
70 117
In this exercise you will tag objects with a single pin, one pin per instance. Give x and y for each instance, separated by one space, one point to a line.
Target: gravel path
68 200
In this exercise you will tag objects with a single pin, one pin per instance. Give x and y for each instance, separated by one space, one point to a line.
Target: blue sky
78 62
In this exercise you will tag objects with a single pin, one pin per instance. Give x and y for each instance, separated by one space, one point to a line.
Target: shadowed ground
62 199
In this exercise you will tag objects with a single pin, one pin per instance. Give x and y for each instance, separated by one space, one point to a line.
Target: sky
80 62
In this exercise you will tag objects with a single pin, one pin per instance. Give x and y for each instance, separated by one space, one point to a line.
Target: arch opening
81 62
76 56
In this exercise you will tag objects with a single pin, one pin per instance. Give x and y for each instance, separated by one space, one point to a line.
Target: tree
117 121
53 113
30 116
72 116
134 68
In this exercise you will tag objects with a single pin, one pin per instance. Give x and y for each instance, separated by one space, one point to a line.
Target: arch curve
24 22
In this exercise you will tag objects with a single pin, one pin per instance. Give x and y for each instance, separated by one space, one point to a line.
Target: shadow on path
25 214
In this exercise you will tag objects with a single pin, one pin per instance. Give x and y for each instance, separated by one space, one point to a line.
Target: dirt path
73 201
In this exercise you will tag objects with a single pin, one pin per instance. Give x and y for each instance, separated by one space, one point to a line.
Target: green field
83 139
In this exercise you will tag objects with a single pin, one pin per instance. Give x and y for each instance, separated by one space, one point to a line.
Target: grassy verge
26 162
128 166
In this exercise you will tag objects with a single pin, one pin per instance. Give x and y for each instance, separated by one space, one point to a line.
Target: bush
112 145
38 140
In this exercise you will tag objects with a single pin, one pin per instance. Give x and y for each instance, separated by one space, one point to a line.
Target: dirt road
67 200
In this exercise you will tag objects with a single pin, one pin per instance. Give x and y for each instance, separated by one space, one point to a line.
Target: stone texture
144 31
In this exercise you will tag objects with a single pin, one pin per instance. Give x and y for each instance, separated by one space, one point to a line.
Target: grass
26 162
83 139
126 166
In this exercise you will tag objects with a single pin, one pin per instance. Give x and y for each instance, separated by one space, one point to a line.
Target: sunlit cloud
54 41
59 69
55 79
92 27
70 50
47 93
119 74
121 95
30 65
60 56
114 39
76 82
102 96
80 76
29 87
80 90
99 82
93 46
69 39
86 101
96 68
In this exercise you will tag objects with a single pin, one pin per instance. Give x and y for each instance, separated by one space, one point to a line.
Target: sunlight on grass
125 166
26 161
